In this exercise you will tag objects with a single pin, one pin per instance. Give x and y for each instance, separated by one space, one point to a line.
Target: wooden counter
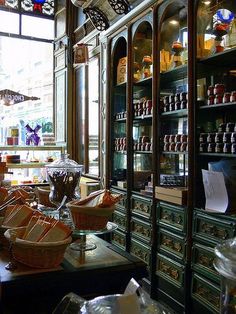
104 270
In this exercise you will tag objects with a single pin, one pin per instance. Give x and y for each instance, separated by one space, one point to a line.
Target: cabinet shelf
145 82
142 117
174 74
120 120
174 153
219 106
218 155
175 114
142 152
225 58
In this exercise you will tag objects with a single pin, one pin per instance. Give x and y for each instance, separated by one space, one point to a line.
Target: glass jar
147 67
225 264
64 176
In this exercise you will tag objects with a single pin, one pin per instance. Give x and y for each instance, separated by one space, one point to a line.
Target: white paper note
215 191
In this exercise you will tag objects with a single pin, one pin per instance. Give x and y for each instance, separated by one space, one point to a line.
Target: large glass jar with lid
64 176
225 264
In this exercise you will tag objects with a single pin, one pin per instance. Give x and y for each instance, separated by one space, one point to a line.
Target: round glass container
64 176
225 264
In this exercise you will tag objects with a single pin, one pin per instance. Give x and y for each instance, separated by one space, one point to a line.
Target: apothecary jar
64 176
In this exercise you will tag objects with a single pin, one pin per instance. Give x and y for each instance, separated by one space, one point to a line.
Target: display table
104 270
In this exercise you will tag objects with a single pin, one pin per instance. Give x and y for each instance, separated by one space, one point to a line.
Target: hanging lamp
120 6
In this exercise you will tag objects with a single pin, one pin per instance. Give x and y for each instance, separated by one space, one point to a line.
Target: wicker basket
43 196
37 254
89 218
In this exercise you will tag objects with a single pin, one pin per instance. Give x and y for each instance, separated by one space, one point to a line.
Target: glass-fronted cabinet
119 112
215 145
172 151
142 105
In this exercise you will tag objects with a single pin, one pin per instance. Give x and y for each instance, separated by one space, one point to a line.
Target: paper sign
215 191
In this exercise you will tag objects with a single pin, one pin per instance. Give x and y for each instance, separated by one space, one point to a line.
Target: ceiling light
206 2
174 22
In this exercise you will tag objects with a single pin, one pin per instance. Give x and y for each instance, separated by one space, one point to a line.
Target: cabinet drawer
141 229
215 229
172 243
140 250
141 206
202 261
170 270
206 293
119 238
120 219
123 201
171 216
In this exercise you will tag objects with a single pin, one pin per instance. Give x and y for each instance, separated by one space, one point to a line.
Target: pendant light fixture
120 6
97 17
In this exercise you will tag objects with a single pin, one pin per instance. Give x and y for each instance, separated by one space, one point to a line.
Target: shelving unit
27 169
175 237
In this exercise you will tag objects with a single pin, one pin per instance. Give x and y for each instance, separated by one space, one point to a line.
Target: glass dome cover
225 262
64 176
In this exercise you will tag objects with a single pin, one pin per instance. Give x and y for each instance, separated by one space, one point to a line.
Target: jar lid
225 262
64 162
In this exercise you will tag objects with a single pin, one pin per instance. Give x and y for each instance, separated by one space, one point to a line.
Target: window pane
40 6
31 74
93 116
37 27
9 22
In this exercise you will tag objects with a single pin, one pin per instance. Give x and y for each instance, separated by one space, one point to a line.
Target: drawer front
214 229
206 293
141 251
170 270
119 239
122 204
172 243
202 261
171 216
141 206
141 229
120 219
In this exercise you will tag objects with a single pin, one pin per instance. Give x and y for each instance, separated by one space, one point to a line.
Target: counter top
104 270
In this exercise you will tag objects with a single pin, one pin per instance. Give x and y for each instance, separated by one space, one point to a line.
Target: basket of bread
93 212
15 209
41 243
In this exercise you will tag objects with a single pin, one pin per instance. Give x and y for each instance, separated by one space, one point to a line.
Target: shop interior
117 156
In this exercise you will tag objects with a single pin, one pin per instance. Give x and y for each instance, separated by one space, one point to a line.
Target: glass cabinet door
216 96
142 105
119 112
173 95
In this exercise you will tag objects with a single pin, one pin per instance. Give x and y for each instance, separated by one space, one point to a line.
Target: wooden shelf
218 155
228 105
32 148
27 165
225 58
175 114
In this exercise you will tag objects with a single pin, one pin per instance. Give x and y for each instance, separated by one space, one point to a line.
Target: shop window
26 68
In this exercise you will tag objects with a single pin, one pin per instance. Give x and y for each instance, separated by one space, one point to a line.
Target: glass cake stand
81 244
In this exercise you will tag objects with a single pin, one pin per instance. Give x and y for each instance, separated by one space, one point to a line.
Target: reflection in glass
93 104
